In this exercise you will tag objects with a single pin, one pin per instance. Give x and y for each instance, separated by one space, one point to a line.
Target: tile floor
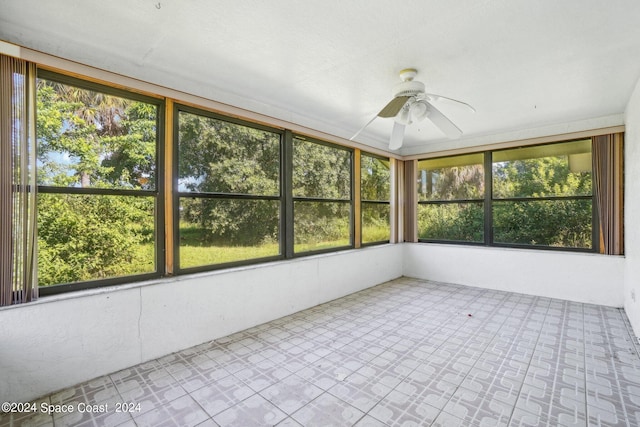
404 353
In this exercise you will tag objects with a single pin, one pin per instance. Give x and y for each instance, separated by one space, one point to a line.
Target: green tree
463 221
539 177
562 223
321 172
86 237
87 138
375 185
216 156
92 140
453 183
545 221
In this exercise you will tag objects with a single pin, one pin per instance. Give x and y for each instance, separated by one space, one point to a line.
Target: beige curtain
608 184
17 181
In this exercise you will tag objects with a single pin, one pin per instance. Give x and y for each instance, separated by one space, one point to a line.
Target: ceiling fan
411 103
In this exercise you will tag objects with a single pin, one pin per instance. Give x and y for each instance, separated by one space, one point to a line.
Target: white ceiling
330 64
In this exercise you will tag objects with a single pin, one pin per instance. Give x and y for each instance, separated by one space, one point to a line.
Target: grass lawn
193 256
195 253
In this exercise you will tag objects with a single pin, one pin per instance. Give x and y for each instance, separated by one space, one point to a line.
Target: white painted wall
589 278
632 209
60 341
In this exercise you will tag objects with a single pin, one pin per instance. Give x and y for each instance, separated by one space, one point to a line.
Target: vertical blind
17 181
608 177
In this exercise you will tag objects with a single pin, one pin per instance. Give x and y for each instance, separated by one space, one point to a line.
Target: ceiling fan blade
397 135
443 123
363 128
435 97
394 106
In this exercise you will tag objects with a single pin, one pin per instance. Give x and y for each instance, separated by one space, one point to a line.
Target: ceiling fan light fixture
404 116
419 110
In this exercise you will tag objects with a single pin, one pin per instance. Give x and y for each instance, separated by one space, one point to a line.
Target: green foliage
132 155
85 237
216 156
375 222
318 225
375 185
540 177
219 156
230 222
462 222
375 178
321 171
453 183
86 138
93 140
560 223
197 251
89 139
373 233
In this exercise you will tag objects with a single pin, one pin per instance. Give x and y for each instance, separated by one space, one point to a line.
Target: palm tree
93 116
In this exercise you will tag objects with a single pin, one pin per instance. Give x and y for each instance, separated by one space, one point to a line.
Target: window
98 183
322 196
229 196
375 194
241 192
100 201
451 194
542 196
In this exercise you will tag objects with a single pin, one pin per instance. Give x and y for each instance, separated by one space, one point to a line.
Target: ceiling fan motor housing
408 88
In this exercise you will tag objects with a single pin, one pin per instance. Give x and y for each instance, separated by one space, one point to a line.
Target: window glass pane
216 156
321 225
215 231
558 223
463 222
92 139
321 171
375 222
87 237
545 170
451 178
375 178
